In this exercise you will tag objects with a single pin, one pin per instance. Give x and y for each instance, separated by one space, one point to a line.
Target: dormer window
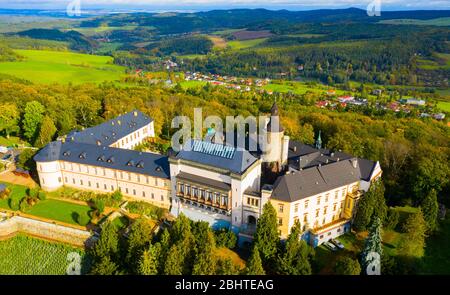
140 164
99 142
82 155
158 169
66 153
101 158
130 163
111 160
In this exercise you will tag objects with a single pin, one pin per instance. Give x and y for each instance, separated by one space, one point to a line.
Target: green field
59 210
17 193
237 45
22 255
62 67
443 21
444 106
296 88
192 84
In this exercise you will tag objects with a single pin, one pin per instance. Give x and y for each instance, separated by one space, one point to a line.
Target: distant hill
175 23
76 40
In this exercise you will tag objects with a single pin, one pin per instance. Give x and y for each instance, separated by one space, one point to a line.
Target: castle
223 185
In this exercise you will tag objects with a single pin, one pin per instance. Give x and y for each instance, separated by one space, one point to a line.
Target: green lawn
47 67
444 105
191 56
237 45
22 255
17 193
59 210
11 141
120 222
443 21
297 88
437 252
192 84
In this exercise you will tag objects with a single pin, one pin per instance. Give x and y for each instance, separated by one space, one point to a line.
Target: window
89 183
126 190
280 208
296 208
323 221
305 217
104 186
349 202
143 194
81 181
134 192
73 180
326 198
336 195
138 178
325 210
188 190
129 176
65 179
317 212
59 179
112 188
306 204
334 206
98 185
162 198
280 221
147 180
156 181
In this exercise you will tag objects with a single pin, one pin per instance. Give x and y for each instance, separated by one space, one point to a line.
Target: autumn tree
148 262
266 238
9 118
430 209
34 114
47 131
415 229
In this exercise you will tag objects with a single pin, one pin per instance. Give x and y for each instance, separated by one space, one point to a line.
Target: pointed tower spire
319 141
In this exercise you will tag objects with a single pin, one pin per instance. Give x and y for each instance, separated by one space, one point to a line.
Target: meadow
48 67
444 106
238 45
443 21
23 255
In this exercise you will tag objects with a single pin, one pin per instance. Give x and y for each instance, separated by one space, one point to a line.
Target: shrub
99 205
392 219
5 194
42 195
145 208
14 204
117 196
225 238
83 219
32 192
23 206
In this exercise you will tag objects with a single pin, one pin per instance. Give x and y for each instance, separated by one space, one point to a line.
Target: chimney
354 163
295 148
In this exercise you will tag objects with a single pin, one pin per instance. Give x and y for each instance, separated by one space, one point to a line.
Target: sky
225 4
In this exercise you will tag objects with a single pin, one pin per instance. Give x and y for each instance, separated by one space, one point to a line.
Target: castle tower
278 143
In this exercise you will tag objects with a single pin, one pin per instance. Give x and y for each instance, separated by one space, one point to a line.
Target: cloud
46 4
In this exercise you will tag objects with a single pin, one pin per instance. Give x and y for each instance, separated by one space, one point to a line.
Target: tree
372 205
26 161
294 259
139 238
415 228
266 237
430 208
148 263
174 262
226 267
47 130
392 219
9 118
34 114
205 264
347 266
372 245
105 266
108 244
254 264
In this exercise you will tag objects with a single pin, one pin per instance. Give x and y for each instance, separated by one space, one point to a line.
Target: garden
22 255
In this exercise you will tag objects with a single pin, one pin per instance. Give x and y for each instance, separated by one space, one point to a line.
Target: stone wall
11 225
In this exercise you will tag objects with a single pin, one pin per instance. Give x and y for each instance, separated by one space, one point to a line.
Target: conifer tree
254 265
266 237
372 245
